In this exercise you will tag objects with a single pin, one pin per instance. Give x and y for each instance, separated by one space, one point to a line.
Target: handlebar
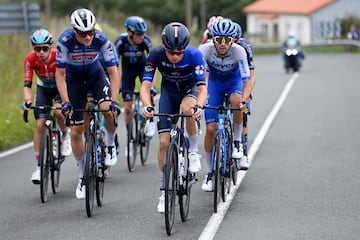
45 107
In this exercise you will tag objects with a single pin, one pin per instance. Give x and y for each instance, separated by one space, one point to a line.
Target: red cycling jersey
45 73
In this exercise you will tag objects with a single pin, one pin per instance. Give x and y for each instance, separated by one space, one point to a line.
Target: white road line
215 220
16 149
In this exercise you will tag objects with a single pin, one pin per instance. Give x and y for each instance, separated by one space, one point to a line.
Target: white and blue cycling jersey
80 60
226 75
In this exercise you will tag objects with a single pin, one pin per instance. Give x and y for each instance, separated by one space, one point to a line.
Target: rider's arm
115 84
61 84
28 75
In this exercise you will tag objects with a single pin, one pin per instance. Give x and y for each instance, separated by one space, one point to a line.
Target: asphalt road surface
303 182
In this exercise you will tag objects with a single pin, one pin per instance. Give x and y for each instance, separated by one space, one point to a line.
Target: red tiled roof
303 7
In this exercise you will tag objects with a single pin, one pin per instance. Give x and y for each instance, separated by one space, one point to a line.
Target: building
309 20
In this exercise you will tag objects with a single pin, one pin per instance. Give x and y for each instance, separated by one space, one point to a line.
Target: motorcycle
292 57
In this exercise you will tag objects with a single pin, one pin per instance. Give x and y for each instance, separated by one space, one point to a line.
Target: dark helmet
175 36
136 24
41 36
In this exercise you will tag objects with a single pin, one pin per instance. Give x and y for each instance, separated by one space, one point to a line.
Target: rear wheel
44 158
90 175
217 154
170 187
131 142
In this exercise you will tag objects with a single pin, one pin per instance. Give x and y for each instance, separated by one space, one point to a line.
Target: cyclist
228 73
42 61
244 161
183 88
79 71
207 33
131 47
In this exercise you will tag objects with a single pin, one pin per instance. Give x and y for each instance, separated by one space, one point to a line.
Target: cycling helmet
212 20
136 24
175 35
83 20
41 36
238 30
224 27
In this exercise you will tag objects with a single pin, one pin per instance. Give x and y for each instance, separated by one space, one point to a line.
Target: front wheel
58 159
90 175
100 176
45 158
217 155
170 187
144 144
185 189
132 142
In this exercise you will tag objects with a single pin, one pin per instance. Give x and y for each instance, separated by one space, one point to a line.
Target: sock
81 165
162 181
37 159
208 161
193 143
237 132
110 140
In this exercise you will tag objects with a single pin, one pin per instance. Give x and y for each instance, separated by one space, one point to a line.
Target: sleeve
150 66
243 63
199 68
61 54
109 53
28 71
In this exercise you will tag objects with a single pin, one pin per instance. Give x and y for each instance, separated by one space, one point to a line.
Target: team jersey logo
199 70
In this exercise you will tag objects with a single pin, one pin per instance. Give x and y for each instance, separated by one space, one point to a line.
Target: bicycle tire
217 154
56 163
44 158
132 141
185 189
90 175
144 143
228 173
170 175
100 174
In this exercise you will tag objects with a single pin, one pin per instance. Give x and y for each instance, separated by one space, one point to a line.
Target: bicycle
224 167
136 134
50 156
94 171
178 178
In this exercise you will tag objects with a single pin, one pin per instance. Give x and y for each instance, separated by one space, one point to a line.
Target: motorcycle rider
292 43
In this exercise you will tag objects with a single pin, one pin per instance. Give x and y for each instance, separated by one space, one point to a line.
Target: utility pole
188 13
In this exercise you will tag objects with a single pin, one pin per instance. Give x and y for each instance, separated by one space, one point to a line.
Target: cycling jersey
133 60
247 46
132 55
83 61
226 75
45 73
178 80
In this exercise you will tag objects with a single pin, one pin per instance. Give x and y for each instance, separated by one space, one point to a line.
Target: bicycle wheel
58 159
44 158
185 188
131 142
100 175
170 187
217 155
90 174
144 143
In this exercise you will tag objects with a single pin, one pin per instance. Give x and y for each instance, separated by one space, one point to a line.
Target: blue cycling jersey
178 77
84 61
132 55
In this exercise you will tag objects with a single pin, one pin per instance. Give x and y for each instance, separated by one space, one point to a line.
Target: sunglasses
41 48
84 34
177 53
223 39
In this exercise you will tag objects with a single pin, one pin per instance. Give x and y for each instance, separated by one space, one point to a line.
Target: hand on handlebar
26 106
148 111
198 112
243 107
114 107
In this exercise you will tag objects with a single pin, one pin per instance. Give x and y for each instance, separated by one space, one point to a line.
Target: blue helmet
238 30
224 27
41 36
136 24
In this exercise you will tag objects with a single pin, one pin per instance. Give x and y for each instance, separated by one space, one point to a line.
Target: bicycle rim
56 164
170 187
217 154
100 177
131 142
44 158
89 175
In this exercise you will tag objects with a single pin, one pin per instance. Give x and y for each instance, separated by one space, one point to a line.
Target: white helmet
83 20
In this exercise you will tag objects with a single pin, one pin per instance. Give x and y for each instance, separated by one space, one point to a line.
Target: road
303 182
